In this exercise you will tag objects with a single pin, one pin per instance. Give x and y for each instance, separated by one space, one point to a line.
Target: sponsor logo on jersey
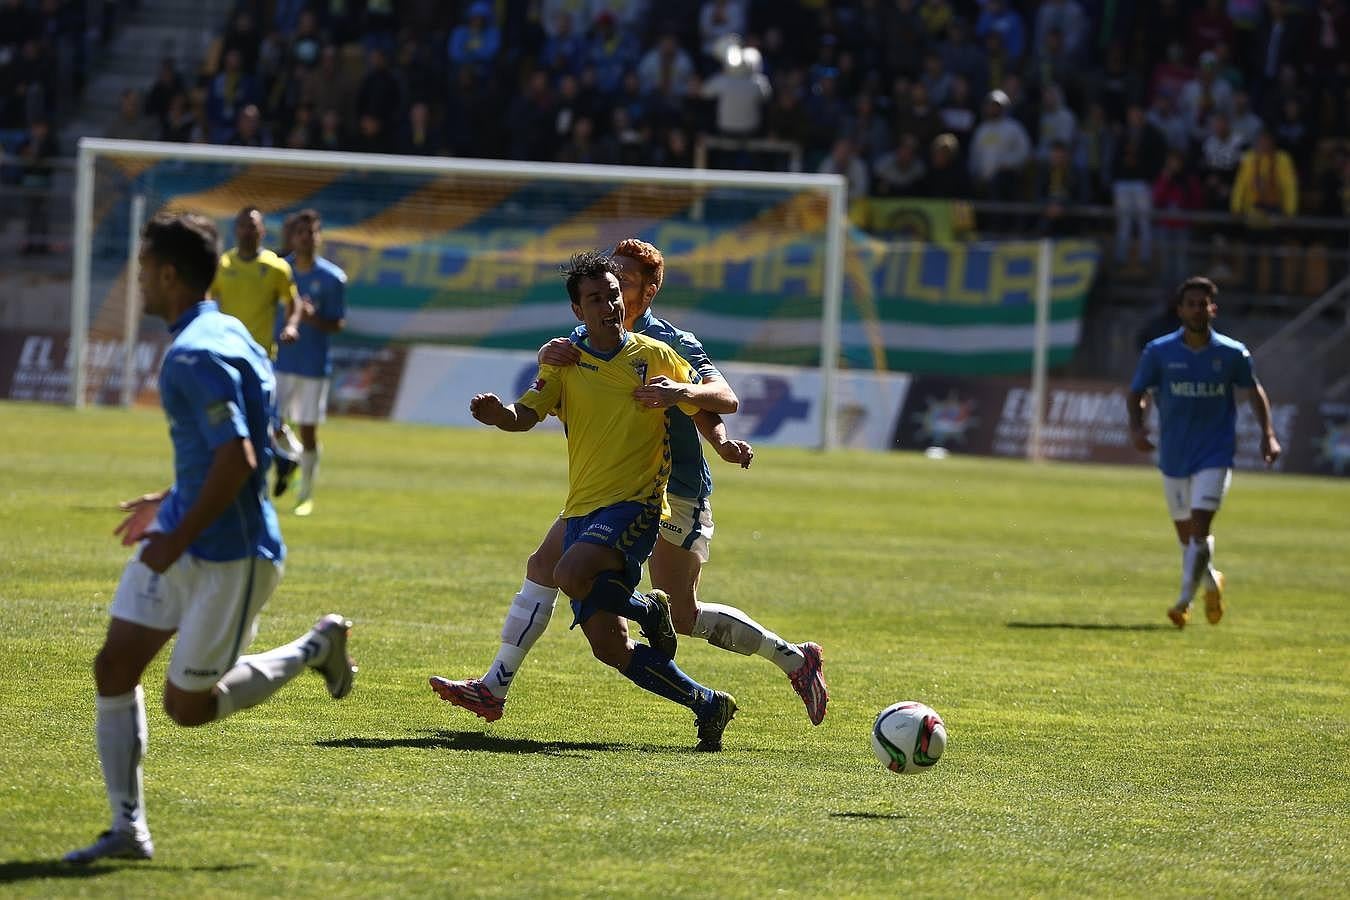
1197 389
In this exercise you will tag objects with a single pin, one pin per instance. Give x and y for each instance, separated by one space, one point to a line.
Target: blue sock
653 672
610 594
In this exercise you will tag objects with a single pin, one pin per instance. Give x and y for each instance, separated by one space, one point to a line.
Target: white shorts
1203 490
690 525
213 606
302 399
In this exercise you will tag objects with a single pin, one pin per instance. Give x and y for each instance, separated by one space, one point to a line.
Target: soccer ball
908 737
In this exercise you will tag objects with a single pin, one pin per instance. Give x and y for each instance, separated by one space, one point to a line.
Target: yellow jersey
250 290
617 449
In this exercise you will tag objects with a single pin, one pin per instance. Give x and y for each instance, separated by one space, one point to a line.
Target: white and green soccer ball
909 737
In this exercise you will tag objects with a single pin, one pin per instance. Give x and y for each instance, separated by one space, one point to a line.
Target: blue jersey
689 473
1193 390
325 286
216 385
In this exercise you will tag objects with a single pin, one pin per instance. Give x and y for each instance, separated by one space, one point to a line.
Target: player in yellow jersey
251 283
618 465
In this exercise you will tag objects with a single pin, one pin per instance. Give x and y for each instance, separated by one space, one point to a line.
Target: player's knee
572 580
539 569
612 653
189 711
683 614
112 676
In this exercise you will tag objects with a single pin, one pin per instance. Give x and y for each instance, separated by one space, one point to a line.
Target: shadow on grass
487 743
32 869
1094 626
867 815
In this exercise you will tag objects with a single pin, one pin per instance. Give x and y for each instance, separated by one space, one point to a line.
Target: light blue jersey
326 287
216 385
1193 390
689 473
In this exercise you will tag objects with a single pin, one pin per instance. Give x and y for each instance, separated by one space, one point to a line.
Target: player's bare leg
1197 551
676 571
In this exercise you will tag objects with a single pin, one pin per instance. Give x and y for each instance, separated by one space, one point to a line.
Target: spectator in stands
957 115
843 160
626 143
330 136
1205 94
1059 188
1277 44
565 48
581 146
231 90
167 83
612 53
920 118
179 123
675 151
1267 184
1095 154
1220 153
936 80
1334 191
131 124
1052 65
1175 190
1329 53
825 111
937 16
717 20
1139 160
31 85
248 130
666 68
741 90
243 38
36 152
1068 19
1209 27
902 38
419 138
999 151
997 64
900 172
529 120
998 17
1294 135
306 44
473 116
947 177
328 86
1245 123
379 94
1173 125
868 130
477 41
419 81
961 57
1171 74
786 118
370 136
1058 124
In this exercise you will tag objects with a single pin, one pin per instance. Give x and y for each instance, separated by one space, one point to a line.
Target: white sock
309 467
290 444
526 620
1210 581
120 735
729 628
258 676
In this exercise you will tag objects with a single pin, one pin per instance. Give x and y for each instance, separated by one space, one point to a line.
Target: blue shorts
629 527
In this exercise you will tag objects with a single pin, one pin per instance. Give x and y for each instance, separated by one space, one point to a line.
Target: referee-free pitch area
1093 748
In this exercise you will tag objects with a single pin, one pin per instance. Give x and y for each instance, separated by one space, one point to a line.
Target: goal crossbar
834 187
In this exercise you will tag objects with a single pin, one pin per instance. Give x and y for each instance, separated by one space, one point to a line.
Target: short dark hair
305 217
586 264
247 211
186 241
1198 283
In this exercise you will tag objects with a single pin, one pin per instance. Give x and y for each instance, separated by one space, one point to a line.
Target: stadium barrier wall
780 405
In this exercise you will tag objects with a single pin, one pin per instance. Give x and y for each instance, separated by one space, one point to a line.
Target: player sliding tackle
618 455
678 558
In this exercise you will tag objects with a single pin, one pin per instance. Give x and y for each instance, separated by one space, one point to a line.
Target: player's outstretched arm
1270 445
489 409
714 431
1137 404
141 514
234 461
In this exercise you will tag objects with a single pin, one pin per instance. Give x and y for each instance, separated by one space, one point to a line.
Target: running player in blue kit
1192 375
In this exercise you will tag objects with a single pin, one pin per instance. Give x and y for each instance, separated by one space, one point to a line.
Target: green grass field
1094 749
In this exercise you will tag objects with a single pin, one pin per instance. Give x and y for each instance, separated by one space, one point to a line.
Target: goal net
466 252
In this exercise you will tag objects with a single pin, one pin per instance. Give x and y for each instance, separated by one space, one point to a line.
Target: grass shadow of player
868 815
1094 626
479 742
31 869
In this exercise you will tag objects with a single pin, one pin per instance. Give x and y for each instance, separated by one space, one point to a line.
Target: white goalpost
134 157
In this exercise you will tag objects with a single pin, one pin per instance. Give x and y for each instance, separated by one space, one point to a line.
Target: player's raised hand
1270 448
488 409
559 352
143 511
737 452
1139 437
660 393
